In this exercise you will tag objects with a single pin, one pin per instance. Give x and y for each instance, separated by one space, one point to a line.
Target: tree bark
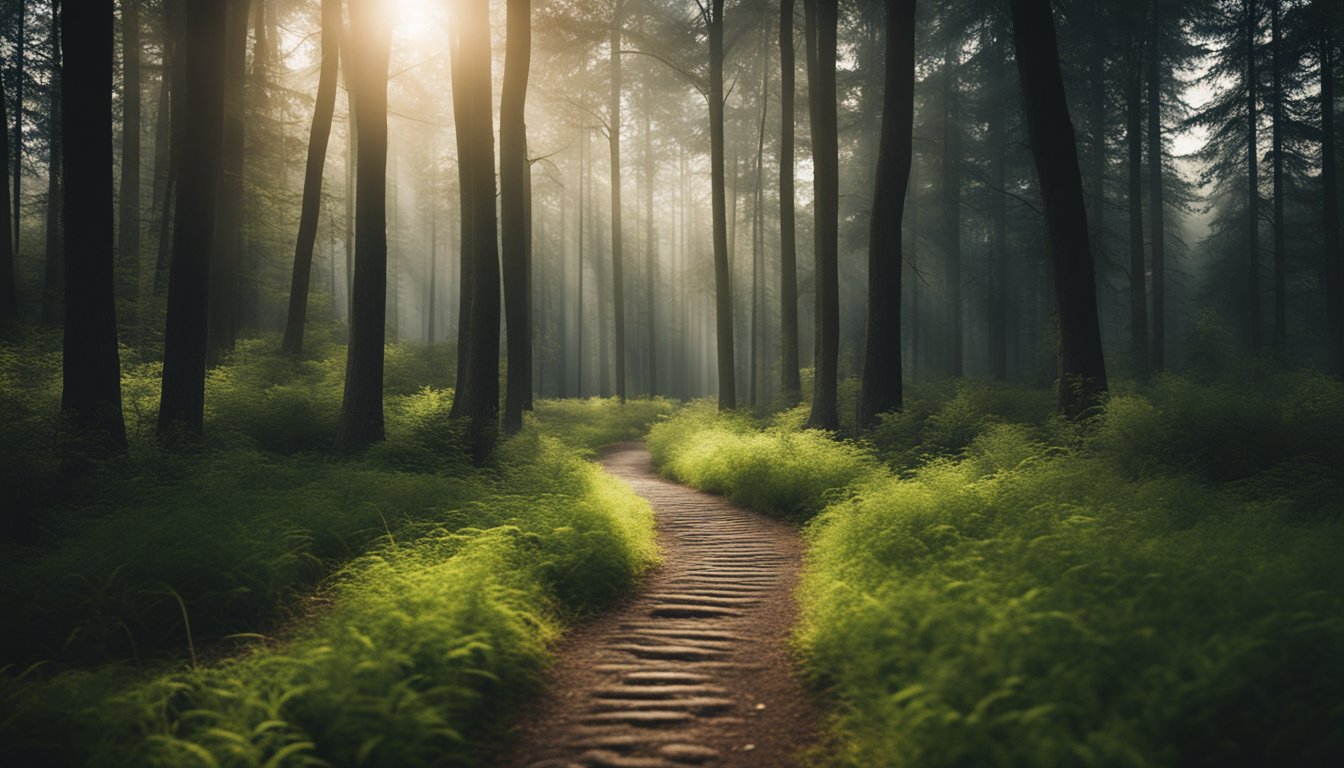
952 203
790 382
723 296
318 137
1097 119
361 420
758 226
1138 291
54 277
9 306
614 142
1276 105
172 97
513 211
431 329
1082 366
128 234
881 390
20 65
826 182
477 401
1334 258
1252 183
91 370
226 255
182 398
460 83
584 173
998 267
1156 211
650 255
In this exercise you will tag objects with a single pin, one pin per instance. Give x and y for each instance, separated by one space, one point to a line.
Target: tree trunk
351 151
361 421
826 181
1082 366
882 373
1138 293
513 211
226 252
431 331
790 382
477 401
998 267
1097 118
1276 96
20 63
460 83
952 203
617 258
161 114
723 292
1252 183
1334 258
54 279
650 256
758 223
562 303
182 398
91 378
172 96
584 172
264 153
9 306
1156 211
318 136
128 235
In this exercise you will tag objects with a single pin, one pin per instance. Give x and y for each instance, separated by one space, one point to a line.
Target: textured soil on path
694 669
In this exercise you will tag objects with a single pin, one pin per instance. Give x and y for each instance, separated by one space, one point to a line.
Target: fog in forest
617 130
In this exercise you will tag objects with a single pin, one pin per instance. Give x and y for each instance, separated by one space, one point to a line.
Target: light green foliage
942 418
409 599
780 469
1034 593
595 423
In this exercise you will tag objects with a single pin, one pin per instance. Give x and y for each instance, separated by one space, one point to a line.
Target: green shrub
792 473
449 582
1223 431
942 418
1058 613
430 636
595 423
1159 586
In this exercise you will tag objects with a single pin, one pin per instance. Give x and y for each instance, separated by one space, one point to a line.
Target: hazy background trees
684 222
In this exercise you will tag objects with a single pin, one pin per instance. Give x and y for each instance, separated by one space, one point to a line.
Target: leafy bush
429 635
595 423
1224 431
788 472
1059 613
943 418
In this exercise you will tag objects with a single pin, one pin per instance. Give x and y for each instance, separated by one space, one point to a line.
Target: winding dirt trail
694 669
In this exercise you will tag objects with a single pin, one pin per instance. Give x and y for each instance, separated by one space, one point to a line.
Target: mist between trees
687 200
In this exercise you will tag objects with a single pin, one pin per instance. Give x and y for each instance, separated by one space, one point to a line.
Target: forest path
693 669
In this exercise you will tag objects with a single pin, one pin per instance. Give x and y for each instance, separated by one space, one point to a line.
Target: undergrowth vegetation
1160 587
259 600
